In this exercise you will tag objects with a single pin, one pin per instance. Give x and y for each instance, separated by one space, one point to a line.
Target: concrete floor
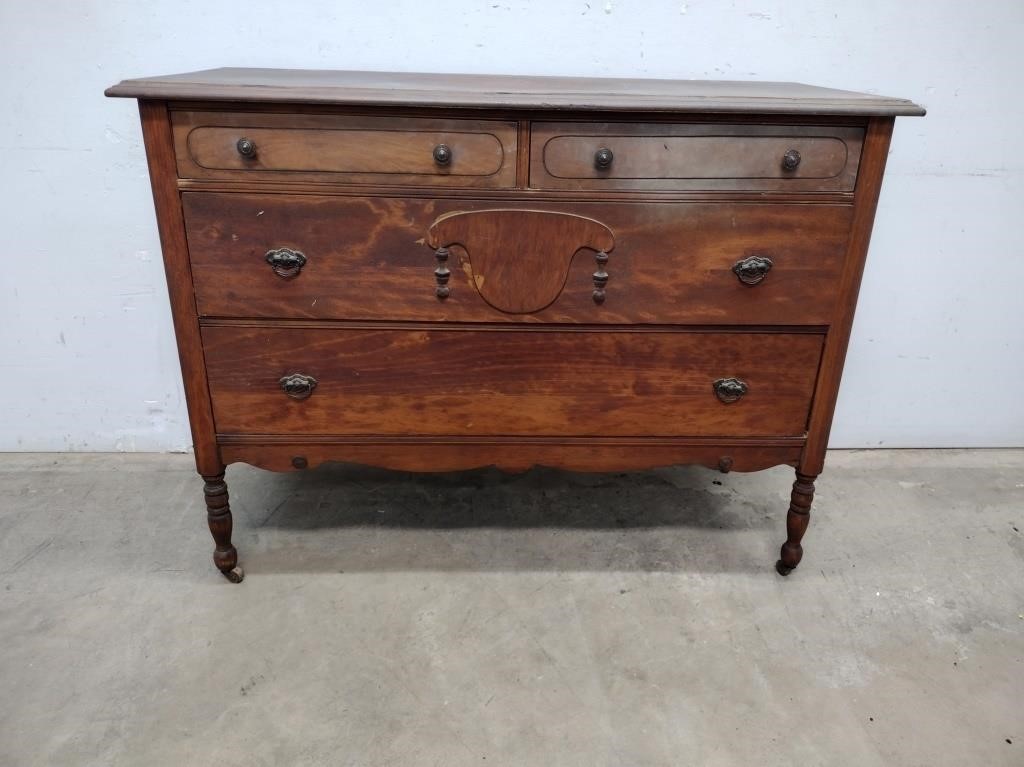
543 619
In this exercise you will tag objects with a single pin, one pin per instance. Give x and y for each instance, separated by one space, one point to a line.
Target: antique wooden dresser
438 272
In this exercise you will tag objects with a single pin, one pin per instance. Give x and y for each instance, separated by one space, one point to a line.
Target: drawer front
465 381
694 157
340 148
370 259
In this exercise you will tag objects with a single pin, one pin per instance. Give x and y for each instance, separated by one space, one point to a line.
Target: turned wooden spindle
797 518
218 516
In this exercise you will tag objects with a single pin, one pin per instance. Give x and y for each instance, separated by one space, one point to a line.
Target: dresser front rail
425 454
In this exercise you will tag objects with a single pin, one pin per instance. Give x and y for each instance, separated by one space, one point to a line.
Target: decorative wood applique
442 274
600 276
520 258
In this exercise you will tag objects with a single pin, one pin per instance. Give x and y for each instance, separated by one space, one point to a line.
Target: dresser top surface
510 92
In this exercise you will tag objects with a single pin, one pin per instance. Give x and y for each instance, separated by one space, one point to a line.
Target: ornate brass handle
603 158
285 262
246 148
729 389
790 160
443 154
297 385
753 269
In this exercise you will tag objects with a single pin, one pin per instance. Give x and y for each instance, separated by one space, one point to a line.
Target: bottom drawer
471 381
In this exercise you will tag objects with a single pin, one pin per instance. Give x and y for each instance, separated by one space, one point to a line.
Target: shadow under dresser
440 272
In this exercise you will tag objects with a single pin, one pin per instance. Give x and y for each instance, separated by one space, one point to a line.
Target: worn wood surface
519 259
368 259
218 517
869 185
345 148
509 382
508 91
156 133
592 455
693 156
797 519
343 347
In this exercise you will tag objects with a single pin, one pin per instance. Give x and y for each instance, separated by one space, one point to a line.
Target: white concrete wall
86 346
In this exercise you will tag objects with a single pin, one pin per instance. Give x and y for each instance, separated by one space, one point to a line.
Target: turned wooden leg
796 522
218 515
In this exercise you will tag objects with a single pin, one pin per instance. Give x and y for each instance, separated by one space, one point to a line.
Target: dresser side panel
869 185
156 133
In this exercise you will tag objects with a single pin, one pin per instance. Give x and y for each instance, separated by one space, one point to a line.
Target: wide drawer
369 259
347 149
693 157
465 381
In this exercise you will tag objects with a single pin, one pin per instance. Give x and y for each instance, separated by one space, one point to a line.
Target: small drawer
345 149
468 381
694 157
333 257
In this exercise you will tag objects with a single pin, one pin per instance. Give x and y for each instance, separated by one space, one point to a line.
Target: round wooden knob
603 158
442 154
791 159
246 147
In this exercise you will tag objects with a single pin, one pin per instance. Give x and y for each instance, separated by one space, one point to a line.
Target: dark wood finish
424 455
156 133
523 157
532 196
509 91
435 272
347 149
218 516
442 274
869 186
701 156
369 259
797 519
510 382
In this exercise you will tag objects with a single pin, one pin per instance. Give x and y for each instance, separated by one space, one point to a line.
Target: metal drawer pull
298 385
790 160
285 262
443 154
729 389
603 158
246 148
753 269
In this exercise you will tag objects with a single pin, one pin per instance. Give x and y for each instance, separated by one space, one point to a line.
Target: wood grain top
505 91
